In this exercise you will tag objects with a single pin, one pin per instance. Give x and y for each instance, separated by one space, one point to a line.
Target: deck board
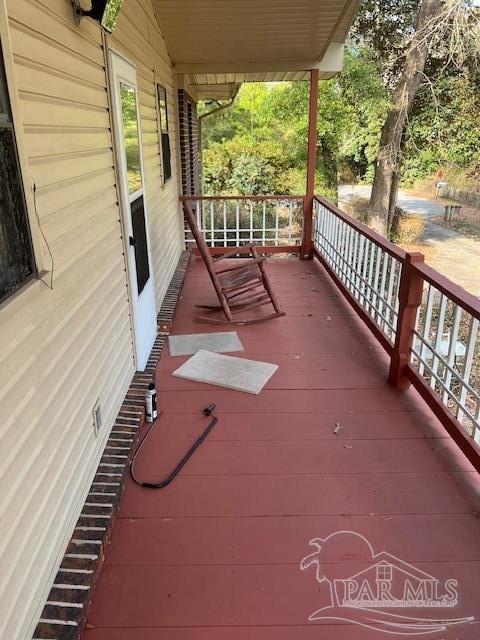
216 554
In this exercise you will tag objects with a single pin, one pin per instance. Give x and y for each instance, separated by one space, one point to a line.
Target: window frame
384 572
8 122
42 257
163 129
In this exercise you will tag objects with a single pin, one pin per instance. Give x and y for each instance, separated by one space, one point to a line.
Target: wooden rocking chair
240 285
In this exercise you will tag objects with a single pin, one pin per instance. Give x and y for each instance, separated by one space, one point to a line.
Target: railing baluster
276 225
264 207
225 223
334 236
371 265
289 234
378 258
438 339
341 255
337 241
197 215
251 220
381 307
426 325
476 427
237 221
349 269
212 222
361 266
452 348
390 301
329 237
364 272
468 364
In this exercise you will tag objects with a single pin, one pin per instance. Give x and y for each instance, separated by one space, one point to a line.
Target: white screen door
133 205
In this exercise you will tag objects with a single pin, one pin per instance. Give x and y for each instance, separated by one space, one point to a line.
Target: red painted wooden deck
216 554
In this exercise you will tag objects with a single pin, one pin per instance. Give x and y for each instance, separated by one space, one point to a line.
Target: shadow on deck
216 554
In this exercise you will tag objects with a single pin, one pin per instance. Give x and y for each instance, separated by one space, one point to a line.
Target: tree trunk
393 196
392 131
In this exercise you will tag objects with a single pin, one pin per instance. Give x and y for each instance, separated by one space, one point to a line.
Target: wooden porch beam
307 244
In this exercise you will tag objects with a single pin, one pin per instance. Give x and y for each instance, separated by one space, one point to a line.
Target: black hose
163 483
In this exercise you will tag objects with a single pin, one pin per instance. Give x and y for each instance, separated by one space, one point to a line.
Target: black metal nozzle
209 410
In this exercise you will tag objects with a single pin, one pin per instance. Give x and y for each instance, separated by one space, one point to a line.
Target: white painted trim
143 304
41 255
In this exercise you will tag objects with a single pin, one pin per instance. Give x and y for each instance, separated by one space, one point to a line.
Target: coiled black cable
163 483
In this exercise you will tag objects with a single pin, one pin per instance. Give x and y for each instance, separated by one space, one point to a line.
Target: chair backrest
198 235
205 253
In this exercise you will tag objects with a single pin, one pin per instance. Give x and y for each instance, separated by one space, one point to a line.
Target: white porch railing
446 352
369 267
229 221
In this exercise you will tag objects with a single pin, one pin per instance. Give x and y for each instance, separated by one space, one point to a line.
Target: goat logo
363 587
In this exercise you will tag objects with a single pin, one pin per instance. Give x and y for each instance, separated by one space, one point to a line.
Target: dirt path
456 256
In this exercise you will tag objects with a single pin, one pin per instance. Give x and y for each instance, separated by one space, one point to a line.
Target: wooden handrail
455 292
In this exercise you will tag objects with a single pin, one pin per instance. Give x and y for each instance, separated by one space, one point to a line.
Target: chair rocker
240 287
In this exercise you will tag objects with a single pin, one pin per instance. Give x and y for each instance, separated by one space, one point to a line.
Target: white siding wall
60 350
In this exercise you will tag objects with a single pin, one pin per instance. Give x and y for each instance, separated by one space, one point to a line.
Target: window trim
41 256
8 124
161 130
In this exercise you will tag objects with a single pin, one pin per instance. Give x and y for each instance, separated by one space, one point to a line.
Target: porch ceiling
232 41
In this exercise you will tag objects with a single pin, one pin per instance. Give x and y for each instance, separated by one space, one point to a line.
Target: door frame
113 59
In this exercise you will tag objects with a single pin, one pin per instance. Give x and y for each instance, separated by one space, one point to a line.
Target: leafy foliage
259 145
384 26
443 128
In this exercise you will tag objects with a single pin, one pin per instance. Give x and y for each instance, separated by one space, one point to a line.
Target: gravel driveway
456 256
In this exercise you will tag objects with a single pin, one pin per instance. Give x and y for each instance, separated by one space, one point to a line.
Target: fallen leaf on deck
337 428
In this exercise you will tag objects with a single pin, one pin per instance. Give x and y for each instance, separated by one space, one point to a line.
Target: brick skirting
64 614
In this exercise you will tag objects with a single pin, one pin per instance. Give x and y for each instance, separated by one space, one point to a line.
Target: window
384 572
128 98
163 112
17 264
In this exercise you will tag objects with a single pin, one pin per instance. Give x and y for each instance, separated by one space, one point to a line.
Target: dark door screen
140 242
